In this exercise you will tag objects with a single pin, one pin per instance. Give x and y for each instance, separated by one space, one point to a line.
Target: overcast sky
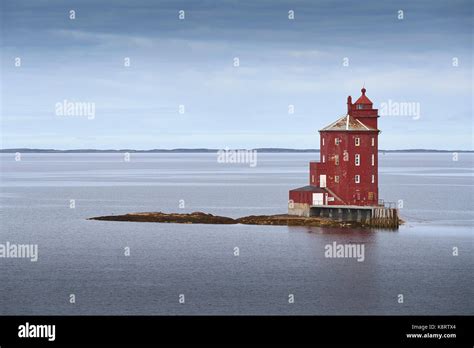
190 62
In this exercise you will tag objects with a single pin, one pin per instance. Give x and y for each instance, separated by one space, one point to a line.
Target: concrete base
343 213
299 209
367 215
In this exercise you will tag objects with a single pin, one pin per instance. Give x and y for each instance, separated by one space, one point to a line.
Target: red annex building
347 172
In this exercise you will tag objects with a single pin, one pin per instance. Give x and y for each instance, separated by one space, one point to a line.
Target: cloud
190 62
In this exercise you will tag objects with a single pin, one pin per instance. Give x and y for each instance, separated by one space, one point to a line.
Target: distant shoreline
205 150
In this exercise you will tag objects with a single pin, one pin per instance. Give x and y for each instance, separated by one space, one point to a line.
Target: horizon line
203 150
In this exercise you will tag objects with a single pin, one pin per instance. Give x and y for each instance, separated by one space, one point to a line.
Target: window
357 179
357 141
373 179
336 160
370 196
336 179
359 106
322 139
324 159
312 179
357 160
337 141
373 159
373 141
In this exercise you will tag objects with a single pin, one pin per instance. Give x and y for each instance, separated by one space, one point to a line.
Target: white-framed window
360 106
322 139
336 179
357 179
324 159
373 179
373 159
336 160
312 178
357 159
373 141
357 141
337 141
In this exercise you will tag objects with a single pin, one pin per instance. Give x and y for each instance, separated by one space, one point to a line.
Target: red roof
363 99
310 188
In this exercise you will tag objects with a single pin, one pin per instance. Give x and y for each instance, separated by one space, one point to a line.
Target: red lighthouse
347 172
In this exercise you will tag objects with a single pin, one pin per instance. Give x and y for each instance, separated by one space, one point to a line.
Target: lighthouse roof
347 123
363 98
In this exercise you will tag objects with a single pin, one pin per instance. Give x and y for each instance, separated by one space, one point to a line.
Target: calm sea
86 258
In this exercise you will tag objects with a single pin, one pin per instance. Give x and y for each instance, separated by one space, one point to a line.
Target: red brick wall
363 193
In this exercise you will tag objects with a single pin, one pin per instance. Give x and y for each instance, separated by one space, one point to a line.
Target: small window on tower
360 106
373 179
336 160
324 159
336 179
373 159
373 141
357 141
312 179
357 179
337 141
322 139
357 160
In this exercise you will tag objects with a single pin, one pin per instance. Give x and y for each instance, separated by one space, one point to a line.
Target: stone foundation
299 209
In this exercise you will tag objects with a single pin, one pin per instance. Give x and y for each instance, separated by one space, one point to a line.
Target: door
318 199
322 181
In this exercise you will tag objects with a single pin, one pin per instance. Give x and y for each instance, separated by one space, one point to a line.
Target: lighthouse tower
347 171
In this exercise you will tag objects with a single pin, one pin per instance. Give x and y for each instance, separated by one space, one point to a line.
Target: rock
193 218
203 218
